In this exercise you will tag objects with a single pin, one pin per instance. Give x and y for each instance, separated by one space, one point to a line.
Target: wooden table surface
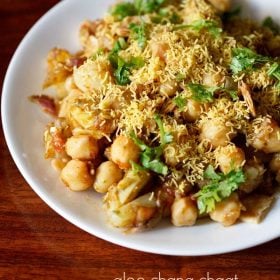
36 243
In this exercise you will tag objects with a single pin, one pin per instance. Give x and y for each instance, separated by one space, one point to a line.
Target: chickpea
253 171
82 147
168 88
92 75
107 174
227 211
183 212
193 110
229 157
159 49
124 150
265 136
213 79
76 175
275 163
216 133
221 5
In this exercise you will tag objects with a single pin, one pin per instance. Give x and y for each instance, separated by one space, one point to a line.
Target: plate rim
70 218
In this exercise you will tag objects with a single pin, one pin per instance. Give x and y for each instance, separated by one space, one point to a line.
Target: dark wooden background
36 243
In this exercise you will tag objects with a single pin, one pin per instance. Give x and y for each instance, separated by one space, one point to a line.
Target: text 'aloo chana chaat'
171 109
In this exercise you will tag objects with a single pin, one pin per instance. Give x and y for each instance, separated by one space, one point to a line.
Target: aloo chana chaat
170 110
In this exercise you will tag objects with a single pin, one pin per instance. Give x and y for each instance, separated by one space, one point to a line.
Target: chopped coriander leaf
158 19
136 167
274 71
138 142
122 72
113 58
148 6
155 165
123 69
233 94
180 102
119 45
202 93
165 15
272 25
175 18
137 7
150 156
231 14
164 12
180 77
220 187
136 62
210 173
245 59
198 25
122 10
139 33
165 137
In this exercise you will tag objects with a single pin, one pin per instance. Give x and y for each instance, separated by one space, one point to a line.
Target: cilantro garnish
245 59
233 93
139 33
136 167
122 72
150 156
165 137
202 93
220 187
274 71
148 6
271 24
180 102
174 18
123 68
137 7
180 77
122 10
164 16
198 25
119 45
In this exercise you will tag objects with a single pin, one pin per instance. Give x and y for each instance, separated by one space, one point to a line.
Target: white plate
24 123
